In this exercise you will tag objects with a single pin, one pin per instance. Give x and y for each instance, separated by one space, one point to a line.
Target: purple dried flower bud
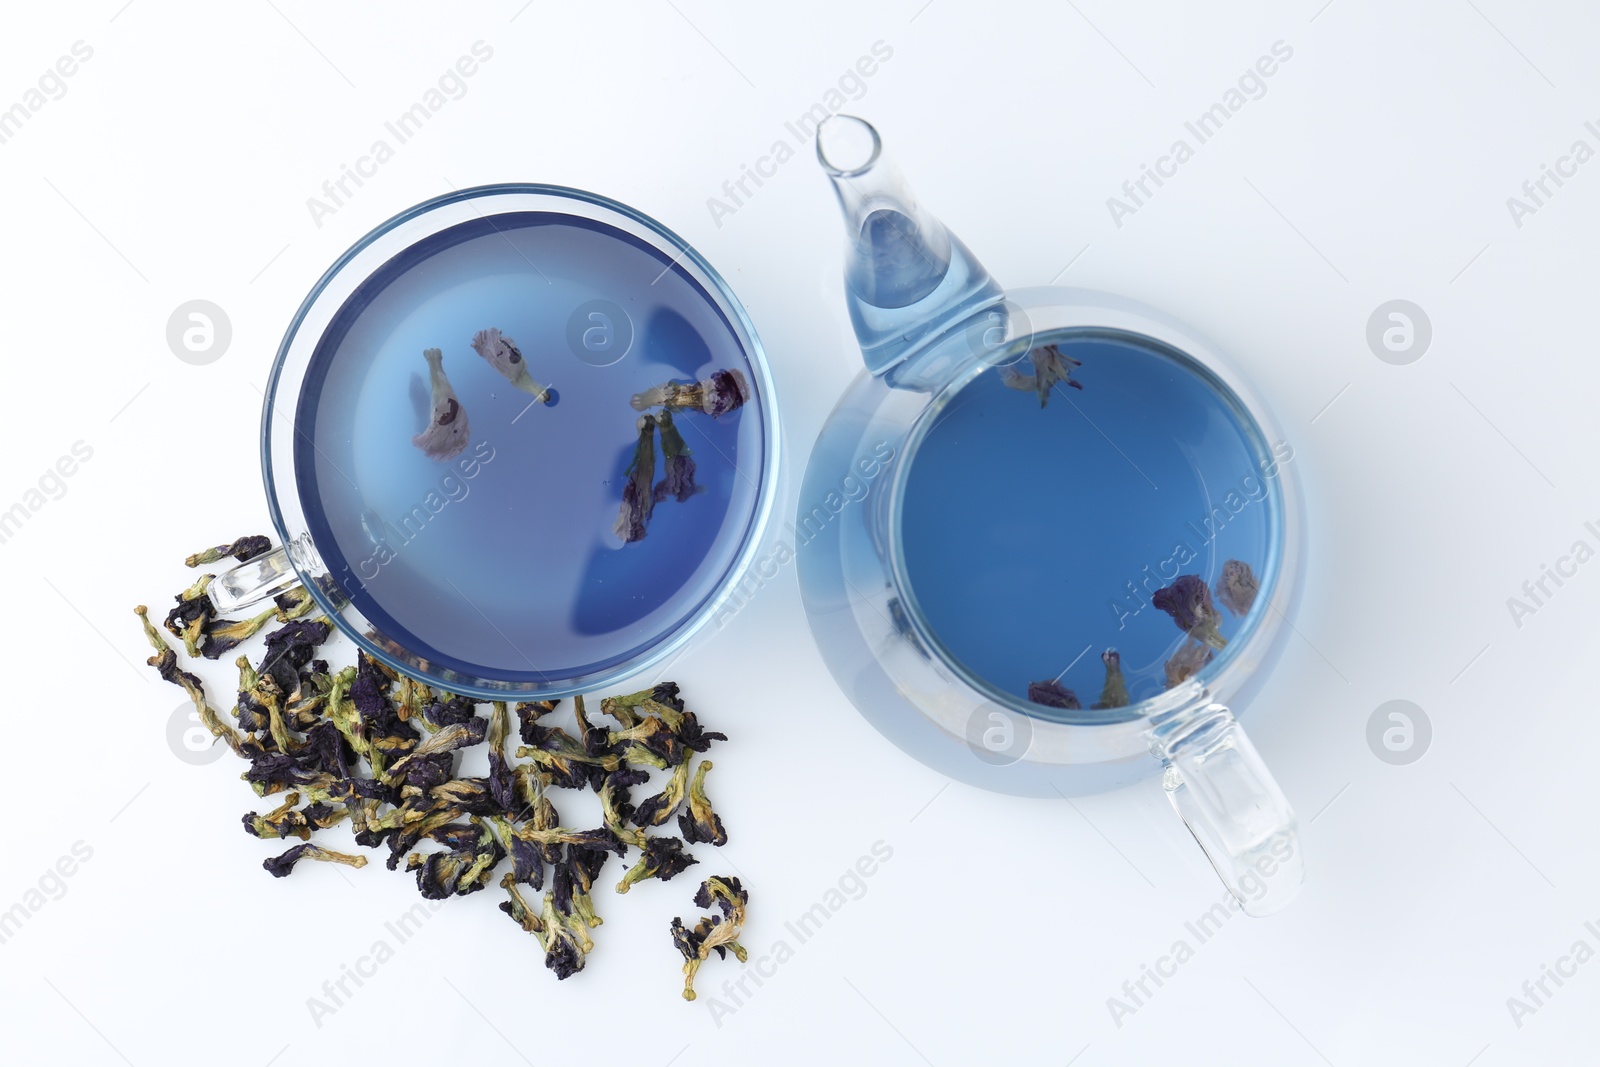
638 499
1188 601
679 482
723 392
1053 694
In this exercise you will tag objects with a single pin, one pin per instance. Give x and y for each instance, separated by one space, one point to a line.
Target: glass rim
682 255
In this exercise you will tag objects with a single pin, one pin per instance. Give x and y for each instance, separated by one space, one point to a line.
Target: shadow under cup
497 571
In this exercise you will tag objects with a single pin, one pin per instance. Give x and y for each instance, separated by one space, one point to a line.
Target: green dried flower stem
165 661
517 907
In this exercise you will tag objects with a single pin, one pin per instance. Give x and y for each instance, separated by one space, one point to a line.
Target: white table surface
176 165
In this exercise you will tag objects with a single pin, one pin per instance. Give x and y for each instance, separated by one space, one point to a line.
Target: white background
1376 166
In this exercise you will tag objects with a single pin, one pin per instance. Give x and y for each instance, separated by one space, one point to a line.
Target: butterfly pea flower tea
519 441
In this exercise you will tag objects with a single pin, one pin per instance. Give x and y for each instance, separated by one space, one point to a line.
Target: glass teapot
1036 493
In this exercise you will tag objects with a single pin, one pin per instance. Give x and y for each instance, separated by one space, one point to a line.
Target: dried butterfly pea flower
250 715
291 647
502 781
410 698
688 943
693 737
283 821
328 750
450 739
638 500
517 907
446 710
727 894
678 463
293 603
1115 693
1237 587
663 858
276 772
529 712
622 709
501 353
243 550
447 432
527 857
615 811
304 708
187 621
471 795
1052 694
1187 662
713 933
388 737
470 854
698 822
596 740
411 825
165 661
724 391
1050 365
564 949
584 866
219 636
657 809
651 735
281 866
536 809
1188 601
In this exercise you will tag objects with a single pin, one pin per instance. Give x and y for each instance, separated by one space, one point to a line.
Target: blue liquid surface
1021 527
501 563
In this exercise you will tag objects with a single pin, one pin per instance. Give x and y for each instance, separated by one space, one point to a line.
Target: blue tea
1036 538
498 556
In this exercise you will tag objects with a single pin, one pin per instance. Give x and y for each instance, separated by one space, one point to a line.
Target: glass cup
499 564
911 584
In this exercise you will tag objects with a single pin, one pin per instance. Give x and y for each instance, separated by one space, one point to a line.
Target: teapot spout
908 279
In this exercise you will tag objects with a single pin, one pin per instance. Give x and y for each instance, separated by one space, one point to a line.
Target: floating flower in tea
1050 365
1237 587
447 432
638 498
1188 601
724 391
679 482
1052 694
1115 693
1187 662
501 353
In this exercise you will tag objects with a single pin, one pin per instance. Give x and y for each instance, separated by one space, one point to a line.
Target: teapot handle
1224 793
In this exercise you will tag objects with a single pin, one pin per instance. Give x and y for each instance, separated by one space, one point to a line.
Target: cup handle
1224 793
265 576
